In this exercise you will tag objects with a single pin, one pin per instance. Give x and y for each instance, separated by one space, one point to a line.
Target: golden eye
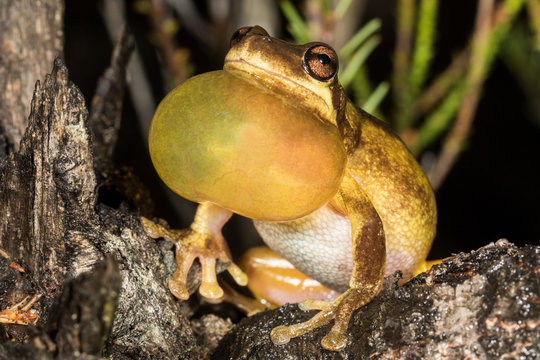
321 62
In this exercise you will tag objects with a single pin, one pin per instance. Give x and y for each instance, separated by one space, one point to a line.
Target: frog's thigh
274 279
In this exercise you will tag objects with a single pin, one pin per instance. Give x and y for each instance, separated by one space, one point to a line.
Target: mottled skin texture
379 217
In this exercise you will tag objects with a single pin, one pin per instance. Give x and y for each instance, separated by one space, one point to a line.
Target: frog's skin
331 189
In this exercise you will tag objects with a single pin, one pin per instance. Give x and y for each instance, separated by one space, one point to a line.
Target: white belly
319 245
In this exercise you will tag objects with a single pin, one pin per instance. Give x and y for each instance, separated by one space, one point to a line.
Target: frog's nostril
239 35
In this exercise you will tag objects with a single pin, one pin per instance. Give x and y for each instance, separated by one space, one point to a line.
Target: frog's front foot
340 309
196 243
20 313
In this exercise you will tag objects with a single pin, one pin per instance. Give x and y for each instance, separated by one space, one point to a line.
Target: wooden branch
57 231
480 305
31 36
46 188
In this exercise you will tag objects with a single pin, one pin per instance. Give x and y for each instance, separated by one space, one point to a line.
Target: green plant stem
377 96
421 61
517 52
533 8
364 33
440 119
297 26
485 44
442 84
358 60
423 50
341 8
404 32
361 86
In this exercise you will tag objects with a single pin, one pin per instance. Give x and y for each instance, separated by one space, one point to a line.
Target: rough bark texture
44 188
31 37
482 305
57 231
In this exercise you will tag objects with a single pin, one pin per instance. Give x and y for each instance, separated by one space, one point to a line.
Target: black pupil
323 59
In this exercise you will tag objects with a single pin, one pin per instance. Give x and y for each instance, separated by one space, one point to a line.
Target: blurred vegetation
432 111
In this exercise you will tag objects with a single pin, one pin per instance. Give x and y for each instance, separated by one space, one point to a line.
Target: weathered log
57 231
481 305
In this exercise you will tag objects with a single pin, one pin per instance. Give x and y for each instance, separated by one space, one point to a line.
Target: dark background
492 192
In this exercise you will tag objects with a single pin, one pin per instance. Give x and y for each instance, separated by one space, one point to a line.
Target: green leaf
357 60
373 102
361 35
342 7
297 27
439 120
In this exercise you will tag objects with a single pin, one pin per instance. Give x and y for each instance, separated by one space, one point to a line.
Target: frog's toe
153 229
178 283
203 241
247 305
280 335
238 275
178 289
334 340
211 291
210 288
310 304
340 310
426 265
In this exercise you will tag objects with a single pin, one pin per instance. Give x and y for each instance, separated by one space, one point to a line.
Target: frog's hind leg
369 254
274 280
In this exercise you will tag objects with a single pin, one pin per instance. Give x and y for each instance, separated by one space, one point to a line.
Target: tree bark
57 230
31 36
481 305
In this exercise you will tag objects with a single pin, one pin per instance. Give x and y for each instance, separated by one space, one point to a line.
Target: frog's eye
321 62
239 35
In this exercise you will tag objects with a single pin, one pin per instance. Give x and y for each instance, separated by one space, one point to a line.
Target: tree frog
331 189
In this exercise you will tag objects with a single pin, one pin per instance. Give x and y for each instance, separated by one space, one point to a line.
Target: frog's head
305 74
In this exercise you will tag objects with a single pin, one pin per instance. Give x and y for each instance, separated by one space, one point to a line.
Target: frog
333 191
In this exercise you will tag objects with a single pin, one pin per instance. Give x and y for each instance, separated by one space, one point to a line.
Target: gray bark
481 305
31 36
55 228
